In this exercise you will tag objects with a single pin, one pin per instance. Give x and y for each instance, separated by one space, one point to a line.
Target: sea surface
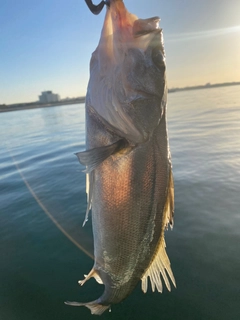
44 250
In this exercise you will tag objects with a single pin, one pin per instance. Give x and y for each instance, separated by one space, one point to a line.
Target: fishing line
45 210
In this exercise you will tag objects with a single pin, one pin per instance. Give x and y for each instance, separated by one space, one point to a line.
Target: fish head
127 82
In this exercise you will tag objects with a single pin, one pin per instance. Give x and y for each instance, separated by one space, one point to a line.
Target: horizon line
170 90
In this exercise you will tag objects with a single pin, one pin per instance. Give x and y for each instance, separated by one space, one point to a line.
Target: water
40 267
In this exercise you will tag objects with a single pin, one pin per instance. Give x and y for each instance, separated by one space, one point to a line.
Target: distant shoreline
37 105
206 86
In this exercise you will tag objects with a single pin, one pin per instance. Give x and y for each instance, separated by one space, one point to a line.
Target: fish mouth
142 27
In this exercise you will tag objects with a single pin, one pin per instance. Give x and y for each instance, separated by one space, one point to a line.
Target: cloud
201 34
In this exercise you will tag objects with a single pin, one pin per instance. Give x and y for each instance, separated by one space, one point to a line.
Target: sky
47 44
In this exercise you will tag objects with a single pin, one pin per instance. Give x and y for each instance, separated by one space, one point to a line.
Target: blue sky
47 44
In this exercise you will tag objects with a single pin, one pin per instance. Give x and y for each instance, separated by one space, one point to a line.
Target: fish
130 188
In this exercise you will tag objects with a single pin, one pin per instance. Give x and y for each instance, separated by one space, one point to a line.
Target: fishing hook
96 9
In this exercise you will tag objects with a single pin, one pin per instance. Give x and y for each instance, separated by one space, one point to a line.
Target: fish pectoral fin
92 274
94 157
94 306
159 266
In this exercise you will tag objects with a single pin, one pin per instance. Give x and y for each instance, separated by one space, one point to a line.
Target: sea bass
128 163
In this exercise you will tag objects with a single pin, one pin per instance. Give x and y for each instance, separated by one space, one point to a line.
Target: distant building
48 97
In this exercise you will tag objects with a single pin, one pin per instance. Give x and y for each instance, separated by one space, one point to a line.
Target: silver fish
128 163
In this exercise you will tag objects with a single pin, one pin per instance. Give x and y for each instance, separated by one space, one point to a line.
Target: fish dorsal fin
169 205
160 265
94 157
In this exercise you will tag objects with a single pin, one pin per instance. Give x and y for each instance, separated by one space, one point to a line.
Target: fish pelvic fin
89 192
94 306
92 158
160 265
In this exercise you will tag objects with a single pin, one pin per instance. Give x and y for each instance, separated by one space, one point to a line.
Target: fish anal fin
94 306
98 279
92 274
92 158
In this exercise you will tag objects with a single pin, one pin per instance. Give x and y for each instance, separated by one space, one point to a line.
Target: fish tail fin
94 306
